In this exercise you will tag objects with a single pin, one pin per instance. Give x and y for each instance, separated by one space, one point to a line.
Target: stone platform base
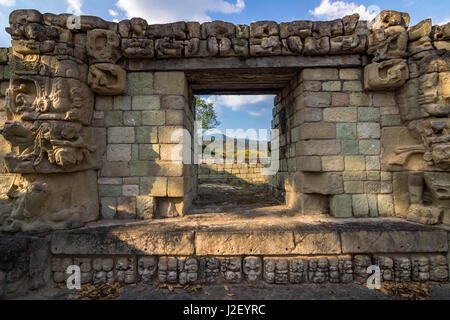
226 248
230 247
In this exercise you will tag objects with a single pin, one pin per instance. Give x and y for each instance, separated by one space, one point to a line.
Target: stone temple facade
91 118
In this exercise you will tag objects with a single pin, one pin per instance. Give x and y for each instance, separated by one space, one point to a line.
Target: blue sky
234 112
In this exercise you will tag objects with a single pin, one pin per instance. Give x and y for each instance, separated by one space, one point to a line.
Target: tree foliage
206 114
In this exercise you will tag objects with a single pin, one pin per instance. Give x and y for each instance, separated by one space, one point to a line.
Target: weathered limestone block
201 48
107 79
103 46
238 243
173 207
400 148
231 269
103 270
175 30
360 263
265 46
350 23
393 241
315 46
301 29
438 268
138 48
423 44
333 270
145 207
243 31
425 196
322 29
434 93
341 206
298 270
348 44
386 75
441 33
316 242
308 204
420 30
362 28
442 45
168 270
252 268
431 140
345 269
407 98
388 18
218 30
26 16
140 240
133 28
209 269
292 46
433 61
169 48
188 270
386 265
321 183
25 47
38 32
125 270
193 30
420 268
402 269
318 270
276 270
262 29
56 67
146 267
390 43
264 38
235 47
48 202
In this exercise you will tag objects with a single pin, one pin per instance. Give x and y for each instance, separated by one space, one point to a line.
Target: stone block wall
330 144
143 175
364 138
234 173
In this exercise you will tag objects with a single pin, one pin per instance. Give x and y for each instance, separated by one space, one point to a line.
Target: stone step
260 236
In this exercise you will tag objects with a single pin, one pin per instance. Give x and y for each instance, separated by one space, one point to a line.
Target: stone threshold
276 235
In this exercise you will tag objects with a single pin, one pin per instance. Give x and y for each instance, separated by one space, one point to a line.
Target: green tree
206 114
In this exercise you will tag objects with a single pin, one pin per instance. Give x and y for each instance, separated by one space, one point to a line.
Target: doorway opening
234 150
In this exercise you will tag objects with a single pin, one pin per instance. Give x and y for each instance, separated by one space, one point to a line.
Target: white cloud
113 13
165 11
7 3
74 6
330 10
445 21
250 104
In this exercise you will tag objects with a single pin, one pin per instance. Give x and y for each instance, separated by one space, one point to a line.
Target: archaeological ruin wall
94 114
